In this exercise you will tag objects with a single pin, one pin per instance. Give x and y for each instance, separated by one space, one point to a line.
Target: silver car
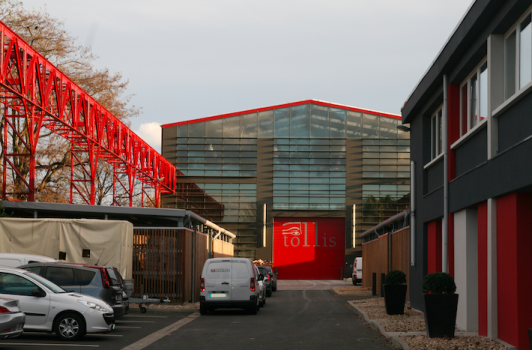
12 319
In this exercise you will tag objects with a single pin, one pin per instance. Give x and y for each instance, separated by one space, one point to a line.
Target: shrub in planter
440 303
395 292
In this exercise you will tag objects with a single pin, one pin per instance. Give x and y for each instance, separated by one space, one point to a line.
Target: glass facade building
304 159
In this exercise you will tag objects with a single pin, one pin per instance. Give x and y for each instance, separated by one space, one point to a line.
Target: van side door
218 281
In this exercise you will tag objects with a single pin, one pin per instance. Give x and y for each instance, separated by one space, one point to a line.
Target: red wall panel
514 268
450 241
434 247
309 248
482 226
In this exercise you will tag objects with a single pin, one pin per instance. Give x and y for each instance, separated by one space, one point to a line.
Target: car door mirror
39 293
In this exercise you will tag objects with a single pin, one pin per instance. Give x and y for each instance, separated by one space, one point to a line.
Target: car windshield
263 270
269 269
48 284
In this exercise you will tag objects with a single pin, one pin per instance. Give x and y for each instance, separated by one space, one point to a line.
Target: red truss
35 93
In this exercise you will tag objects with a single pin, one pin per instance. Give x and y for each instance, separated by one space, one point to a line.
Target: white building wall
466 268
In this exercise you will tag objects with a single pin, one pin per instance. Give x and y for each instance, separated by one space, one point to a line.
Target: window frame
436 126
515 29
465 106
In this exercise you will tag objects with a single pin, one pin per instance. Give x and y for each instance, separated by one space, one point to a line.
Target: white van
229 283
16 260
357 271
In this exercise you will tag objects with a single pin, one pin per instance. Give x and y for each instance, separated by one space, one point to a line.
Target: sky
198 58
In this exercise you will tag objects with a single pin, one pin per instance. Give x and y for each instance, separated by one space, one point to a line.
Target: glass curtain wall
309 163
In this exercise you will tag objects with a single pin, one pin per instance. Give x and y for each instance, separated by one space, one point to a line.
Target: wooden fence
164 266
376 257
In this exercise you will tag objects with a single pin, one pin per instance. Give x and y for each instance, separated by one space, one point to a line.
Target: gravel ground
421 342
403 326
352 290
169 306
374 307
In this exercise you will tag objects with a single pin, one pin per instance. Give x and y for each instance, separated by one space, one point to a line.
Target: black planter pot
530 337
440 314
394 298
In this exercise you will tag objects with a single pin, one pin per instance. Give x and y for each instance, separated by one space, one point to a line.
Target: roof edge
289 104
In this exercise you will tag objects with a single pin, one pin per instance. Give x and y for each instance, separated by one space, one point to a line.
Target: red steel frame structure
35 94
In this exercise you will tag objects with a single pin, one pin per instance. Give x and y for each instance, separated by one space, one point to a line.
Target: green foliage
439 283
3 213
395 277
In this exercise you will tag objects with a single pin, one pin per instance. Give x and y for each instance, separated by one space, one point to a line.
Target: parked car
14 260
49 308
12 319
273 277
102 282
262 288
267 280
357 271
229 283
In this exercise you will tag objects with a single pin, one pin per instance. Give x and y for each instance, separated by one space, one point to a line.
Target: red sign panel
309 248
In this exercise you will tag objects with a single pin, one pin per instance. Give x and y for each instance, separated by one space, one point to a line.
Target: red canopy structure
35 94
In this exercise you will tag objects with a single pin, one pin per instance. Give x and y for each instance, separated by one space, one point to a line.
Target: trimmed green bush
439 283
395 277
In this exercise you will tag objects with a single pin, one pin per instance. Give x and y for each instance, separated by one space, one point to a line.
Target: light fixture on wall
354 225
264 225
403 128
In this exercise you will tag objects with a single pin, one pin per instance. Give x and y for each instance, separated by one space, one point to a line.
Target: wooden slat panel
375 257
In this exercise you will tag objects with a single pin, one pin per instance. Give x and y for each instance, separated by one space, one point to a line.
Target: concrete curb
395 337
148 310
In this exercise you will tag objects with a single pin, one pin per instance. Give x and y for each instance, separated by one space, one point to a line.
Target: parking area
129 330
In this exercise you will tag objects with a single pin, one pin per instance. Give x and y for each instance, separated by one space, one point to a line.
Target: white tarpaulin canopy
109 242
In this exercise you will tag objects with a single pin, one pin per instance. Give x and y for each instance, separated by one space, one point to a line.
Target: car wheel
274 288
69 327
263 301
354 282
203 310
253 309
269 293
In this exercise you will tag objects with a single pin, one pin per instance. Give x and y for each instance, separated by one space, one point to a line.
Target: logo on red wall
309 248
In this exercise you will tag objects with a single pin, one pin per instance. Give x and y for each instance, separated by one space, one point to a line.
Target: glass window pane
463 110
266 124
300 121
525 53
231 127
354 124
388 128
371 126
214 128
483 93
196 130
319 121
249 125
182 130
338 117
440 132
282 122
509 65
473 114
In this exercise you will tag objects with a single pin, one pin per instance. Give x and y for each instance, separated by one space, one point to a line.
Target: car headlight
93 305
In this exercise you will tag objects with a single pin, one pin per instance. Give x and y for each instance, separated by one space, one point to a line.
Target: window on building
436 126
474 99
518 57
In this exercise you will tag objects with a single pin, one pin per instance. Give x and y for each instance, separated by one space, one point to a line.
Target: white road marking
50 344
152 338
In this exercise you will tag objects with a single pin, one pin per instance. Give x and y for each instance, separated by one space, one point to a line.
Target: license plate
218 295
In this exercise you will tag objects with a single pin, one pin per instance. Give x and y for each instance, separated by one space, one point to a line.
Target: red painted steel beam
33 88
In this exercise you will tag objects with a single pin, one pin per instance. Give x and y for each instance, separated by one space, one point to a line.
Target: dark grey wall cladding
508 172
434 176
432 206
516 123
472 153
